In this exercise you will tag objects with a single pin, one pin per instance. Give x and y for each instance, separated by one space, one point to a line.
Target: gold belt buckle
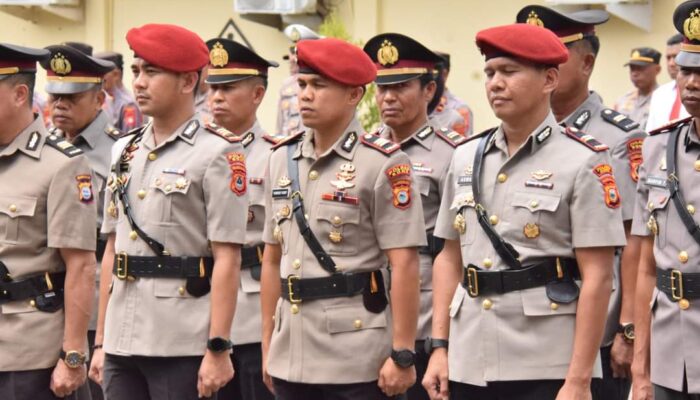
472 282
290 288
676 285
122 261
49 284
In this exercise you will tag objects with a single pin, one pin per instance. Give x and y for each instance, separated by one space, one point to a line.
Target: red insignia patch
634 150
236 162
85 194
605 175
400 177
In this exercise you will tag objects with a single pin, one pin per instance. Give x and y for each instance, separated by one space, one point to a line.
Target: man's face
403 103
155 88
73 112
671 66
232 104
322 101
688 80
643 77
574 72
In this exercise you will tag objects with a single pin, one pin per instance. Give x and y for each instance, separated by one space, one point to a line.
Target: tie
676 108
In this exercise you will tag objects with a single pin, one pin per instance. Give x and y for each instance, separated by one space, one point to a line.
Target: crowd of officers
551 257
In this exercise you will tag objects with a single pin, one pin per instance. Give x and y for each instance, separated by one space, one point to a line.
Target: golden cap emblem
388 54
60 64
691 26
218 56
636 55
534 19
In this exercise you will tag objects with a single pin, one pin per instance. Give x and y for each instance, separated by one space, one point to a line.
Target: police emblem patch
400 178
85 194
236 162
605 175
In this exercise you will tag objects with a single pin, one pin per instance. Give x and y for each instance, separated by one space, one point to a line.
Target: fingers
444 386
267 380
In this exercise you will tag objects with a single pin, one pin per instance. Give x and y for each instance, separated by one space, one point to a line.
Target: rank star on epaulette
63 146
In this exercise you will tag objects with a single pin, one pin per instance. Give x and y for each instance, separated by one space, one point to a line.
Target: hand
575 391
216 370
97 366
621 357
435 379
267 379
65 381
642 388
394 380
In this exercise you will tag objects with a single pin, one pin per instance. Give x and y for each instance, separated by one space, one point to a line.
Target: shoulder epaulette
136 131
452 138
222 132
274 139
669 127
478 135
56 131
113 132
384 146
585 139
63 146
293 138
619 120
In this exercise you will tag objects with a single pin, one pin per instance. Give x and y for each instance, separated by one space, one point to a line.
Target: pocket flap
339 214
18 206
463 199
536 303
349 318
658 199
170 184
536 201
423 185
170 287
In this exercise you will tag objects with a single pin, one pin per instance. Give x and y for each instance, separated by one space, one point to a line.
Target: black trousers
247 383
151 378
417 392
609 388
303 391
507 390
33 385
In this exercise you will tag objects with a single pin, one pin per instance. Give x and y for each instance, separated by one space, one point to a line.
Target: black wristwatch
219 344
432 344
627 331
73 359
403 358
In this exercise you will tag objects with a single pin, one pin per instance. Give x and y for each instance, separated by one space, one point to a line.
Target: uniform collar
425 135
537 138
92 132
30 141
251 134
187 132
345 146
584 113
691 139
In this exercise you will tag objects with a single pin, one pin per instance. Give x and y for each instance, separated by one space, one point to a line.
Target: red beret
525 41
169 46
336 59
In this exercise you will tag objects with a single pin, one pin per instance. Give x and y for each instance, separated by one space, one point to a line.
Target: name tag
539 185
280 193
656 181
464 180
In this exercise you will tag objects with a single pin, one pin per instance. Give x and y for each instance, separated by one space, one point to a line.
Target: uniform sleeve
596 219
397 211
225 195
446 215
641 212
626 158
110 219
71 208
269 227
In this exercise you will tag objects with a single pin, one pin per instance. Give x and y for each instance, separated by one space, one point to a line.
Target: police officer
406 81
441 114
665 104
237 83
667 348
175 214
288 117
644 68
529 209
47 244
121 107
574 105
341 204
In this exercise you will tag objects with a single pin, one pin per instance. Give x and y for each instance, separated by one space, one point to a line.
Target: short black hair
27 78
674 40
439 90
589 43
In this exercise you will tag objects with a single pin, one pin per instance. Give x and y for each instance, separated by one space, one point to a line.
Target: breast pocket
15 211
338 228
658 206
166 189
529 212
423 185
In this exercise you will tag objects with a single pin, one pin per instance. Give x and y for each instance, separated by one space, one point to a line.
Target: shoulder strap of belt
504 249
298 213
674 185
123 168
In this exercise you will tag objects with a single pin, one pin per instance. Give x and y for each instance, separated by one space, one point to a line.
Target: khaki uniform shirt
675 343
182 194
625 138
635 106
46 204
337 340
288 117
430 153
546 201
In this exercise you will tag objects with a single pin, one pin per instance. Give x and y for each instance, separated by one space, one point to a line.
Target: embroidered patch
236 162
605 175
634 151
400 177
85 188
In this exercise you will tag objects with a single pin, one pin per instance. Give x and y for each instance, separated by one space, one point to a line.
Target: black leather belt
480 282
295 289
30 288
162 267
434 247
251 256
677 285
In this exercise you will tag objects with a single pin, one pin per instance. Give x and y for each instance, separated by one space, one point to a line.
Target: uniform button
502 178
296 264
294 309
306 216
488 263
487 304
493 220
181 290
158 181
13 208
697 165
313 175
133 235
152 156
168 188
32 303
554 306
684 304
650 205
284 211
337 221
141 193
691 209
534 204
357 324
683 256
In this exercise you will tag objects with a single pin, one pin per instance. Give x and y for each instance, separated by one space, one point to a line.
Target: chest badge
531 231
541 174
284 181
460 224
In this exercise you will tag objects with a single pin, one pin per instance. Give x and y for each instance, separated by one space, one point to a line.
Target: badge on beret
236 162
60 64
218 56
534 19
387 54
605 175
634 151
400 177
691 26
85 188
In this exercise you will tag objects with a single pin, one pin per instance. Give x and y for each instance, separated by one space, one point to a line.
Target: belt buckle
290 288
676 285
122 261
49 284
472 282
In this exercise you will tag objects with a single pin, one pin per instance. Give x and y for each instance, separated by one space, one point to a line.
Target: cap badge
691 26
387 54
295 35
636 55
534 19
60 64
218 56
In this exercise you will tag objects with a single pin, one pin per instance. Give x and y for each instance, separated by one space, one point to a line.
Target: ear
21 95
355 94
429 91
588 64
258 94
551 80
101 98
190 82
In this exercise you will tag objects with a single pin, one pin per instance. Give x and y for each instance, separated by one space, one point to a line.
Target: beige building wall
446 25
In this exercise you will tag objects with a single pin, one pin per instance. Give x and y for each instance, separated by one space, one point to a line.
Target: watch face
403 358
629 332
74 359
219 344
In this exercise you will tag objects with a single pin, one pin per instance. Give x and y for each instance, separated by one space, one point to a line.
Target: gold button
697 165
313 175
650 205
32 303
13 207
158 181
296 264
306 216
487 304
337 221
181 290
683 256
141 193
534 204
168 188
502 178
133 235
152 156
488 263
357 324
493 220
684 304
691 209
554 306
284 211
294 309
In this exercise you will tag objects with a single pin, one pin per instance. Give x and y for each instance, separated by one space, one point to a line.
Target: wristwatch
432 344
627 331
403 358
219 344
73 359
